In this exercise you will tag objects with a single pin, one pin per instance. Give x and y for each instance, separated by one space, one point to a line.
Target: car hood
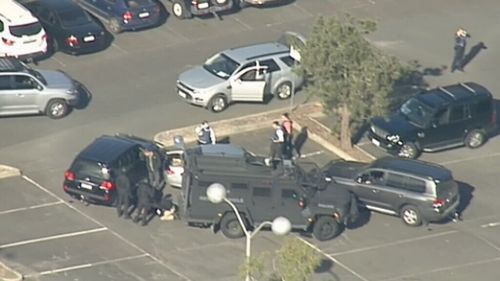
199 78
56 79
396 124
344 169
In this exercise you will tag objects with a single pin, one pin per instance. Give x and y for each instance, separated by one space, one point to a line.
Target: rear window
288 60
84 169
73 17
137 3
26 29
444 188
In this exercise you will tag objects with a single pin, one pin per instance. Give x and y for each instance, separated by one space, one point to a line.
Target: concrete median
8 171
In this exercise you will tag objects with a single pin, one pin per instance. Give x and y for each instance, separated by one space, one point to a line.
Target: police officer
145 201
124 190
205 134
460 43
287 125
153 164
277 144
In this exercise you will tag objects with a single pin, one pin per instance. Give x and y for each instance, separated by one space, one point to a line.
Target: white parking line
311 154
58 61
86 265
53 237
242 23
119 48
404 241
491 224
303 10
31 207
469 159
337 262
111 231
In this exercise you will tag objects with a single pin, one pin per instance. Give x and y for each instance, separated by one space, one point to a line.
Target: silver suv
24 90
244 74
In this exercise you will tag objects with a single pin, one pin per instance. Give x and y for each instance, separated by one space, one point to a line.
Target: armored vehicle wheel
230 226
325 228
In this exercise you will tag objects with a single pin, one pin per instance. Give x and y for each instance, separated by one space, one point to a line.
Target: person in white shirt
205 134
277 144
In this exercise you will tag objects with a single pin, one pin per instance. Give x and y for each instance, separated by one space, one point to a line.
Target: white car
21 33
174 168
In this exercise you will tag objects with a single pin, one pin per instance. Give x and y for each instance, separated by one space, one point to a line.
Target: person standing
287 125
277 145
124 190
153 165
145 201
460 43
205 134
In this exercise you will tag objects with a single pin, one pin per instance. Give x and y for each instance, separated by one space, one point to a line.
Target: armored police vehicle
260 193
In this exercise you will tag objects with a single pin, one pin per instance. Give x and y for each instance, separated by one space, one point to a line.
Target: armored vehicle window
204 183
261 192
288 194
240 186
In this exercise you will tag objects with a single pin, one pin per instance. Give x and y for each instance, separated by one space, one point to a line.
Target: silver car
244 74
24 90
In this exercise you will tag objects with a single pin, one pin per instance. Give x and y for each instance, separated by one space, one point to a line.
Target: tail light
44 37
72 41
302 203
438 203
107 186
127 16
156 9
69 175
7 41
169 171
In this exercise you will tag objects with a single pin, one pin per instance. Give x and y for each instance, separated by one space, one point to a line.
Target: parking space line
31 207
337 262
85 265
119 48
303 10
53 237
130 243
58 61
491 224
311 154
248 27
394 243
186 39
469 159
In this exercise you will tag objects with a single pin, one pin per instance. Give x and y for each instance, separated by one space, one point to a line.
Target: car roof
56 4
461 92
220 150
16 13
106 149
243 54
413 167
10 65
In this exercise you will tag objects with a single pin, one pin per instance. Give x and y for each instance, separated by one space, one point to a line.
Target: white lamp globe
281 226
216 193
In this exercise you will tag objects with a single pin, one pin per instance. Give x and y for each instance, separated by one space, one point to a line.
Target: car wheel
218 103
56 109
55 46
409 150
411 215
239 4
114 26
284 90
325 228
475 139
180 10
230 226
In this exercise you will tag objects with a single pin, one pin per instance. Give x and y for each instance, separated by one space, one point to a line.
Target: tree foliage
353 79
296 261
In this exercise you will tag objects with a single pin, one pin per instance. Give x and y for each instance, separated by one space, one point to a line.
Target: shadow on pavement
474 51
466 194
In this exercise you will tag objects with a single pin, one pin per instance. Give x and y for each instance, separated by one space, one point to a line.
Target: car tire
55 46
230 226
218 103
325 228
56 109
114 26
284 90
409 150
411 215
239 4
179 10
475 139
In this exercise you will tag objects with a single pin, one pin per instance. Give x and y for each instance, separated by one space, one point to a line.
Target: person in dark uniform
460 43
277 145
205 134
287 125
153 165
124 190
145 201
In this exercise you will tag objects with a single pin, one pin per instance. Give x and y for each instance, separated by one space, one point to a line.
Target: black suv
184 9
89 177
416 191
260 193
437 119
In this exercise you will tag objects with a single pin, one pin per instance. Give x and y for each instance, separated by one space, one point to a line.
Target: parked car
124 15
250 73
184 9
437 119
70 28
416 191
22 35
174 167
89 177
24 90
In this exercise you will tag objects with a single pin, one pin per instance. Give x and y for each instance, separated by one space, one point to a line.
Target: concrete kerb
8 171
8 274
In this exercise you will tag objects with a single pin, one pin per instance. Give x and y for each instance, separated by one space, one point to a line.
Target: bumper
29 56
140 23
383 143
435 216
260 2
190 99
85 48
106 199
212 9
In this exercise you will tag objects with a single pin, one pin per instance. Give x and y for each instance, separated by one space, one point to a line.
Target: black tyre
230 226
55 46
475 139
284 90
218 103
326 228
114 26
179 10
411 215
56 109
409 150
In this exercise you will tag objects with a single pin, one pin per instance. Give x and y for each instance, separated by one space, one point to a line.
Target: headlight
393 138
72 91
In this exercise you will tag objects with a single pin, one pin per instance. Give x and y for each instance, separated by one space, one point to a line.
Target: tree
295 260
353 79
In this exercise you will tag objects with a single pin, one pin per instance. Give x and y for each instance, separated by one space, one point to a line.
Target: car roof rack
468 88
447 92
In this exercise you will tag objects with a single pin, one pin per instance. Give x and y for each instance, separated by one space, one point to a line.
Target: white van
21 34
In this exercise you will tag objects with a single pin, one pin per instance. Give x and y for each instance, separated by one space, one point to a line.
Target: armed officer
205 134
125 194
145 201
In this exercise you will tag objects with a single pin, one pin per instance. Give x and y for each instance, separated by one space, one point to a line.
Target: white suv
21 34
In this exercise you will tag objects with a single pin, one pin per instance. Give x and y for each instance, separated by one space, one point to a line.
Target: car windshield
417 112
26 29
35 73
221 66
73 17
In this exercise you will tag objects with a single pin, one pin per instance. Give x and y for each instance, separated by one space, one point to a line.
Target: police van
21 33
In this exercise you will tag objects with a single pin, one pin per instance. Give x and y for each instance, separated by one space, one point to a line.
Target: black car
437 119
416 191
184 9
89 177
260 193
70 28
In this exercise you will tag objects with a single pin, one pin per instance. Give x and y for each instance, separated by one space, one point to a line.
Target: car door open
249 84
